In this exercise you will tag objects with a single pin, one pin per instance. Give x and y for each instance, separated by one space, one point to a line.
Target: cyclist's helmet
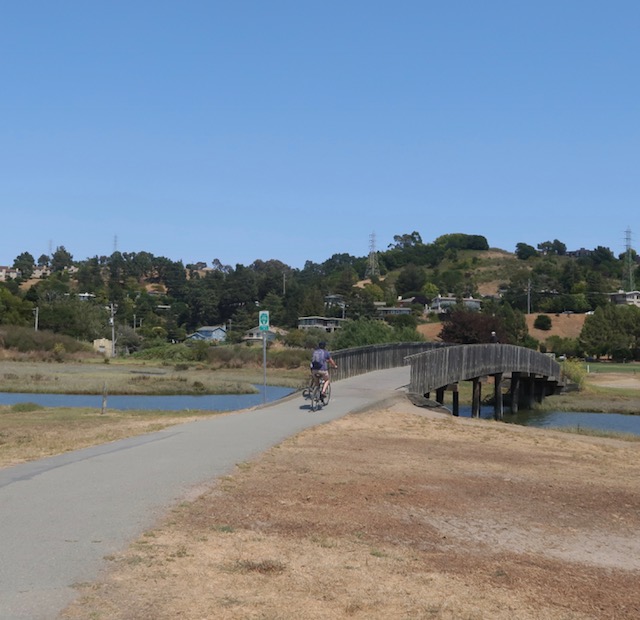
322 345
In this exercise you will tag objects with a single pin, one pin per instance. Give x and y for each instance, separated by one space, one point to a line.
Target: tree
524 251
362 332
462 241
554 247
24 263
410 280
466 327
402 242
13 310
61 259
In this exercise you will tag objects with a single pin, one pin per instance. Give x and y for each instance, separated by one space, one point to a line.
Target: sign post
263 322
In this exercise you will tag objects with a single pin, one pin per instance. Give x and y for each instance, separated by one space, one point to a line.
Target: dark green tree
466 327
25 263
61 259
524 251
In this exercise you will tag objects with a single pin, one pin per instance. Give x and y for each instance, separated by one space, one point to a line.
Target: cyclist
320 361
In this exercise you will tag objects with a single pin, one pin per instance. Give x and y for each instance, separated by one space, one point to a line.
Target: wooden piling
498 410
475 401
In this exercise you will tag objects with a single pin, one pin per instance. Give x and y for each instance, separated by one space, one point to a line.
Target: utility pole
36 313
529 296
629 260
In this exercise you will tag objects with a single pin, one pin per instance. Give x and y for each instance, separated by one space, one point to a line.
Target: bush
26 339
542 322
574 371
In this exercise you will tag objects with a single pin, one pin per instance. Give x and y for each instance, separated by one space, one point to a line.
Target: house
384 311
442 304
8 273
328 324
211 333
625 298
256 334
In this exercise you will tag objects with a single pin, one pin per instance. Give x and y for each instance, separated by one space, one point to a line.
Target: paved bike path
60 516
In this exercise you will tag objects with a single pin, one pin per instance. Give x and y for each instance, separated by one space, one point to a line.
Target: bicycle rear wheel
315 399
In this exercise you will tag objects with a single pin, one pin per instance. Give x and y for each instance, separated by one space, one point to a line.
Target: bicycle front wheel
327 395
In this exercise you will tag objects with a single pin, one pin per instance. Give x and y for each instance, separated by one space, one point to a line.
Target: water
611 422
206 402
614 422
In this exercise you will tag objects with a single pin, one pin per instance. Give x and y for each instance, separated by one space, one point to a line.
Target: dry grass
29 432
563 325
135 378
397 514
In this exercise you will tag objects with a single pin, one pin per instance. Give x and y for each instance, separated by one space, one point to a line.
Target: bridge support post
440 395
475 401
515 391
498 410
529 392
455 407
538 391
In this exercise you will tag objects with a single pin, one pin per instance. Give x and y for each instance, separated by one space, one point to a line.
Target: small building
625 298
384 311
328 324
442 304
256 334
103 346
209 333
8 273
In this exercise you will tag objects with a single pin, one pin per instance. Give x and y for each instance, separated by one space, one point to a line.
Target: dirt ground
396 513
563 325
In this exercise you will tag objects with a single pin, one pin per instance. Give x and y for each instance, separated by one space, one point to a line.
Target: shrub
574 371
542 322
25 339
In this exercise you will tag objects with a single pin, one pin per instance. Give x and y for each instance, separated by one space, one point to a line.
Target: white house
626 298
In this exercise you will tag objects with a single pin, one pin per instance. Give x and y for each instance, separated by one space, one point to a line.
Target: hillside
563 325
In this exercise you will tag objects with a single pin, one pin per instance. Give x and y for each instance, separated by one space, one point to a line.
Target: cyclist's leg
325 383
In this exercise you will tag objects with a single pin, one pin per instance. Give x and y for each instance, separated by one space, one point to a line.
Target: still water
613 422
206 402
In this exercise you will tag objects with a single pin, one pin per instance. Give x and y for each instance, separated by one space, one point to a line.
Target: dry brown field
396 513
563 325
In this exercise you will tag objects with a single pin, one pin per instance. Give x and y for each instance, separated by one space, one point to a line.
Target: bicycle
313 392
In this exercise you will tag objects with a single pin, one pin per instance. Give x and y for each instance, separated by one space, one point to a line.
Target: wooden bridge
438 367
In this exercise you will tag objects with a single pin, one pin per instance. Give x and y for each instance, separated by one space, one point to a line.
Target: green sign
263 320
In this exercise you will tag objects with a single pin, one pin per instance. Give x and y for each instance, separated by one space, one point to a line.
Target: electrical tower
372 265
629 262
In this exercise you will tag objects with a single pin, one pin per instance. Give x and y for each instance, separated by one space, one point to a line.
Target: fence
359 360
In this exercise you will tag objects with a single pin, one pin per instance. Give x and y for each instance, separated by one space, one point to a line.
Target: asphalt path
61 516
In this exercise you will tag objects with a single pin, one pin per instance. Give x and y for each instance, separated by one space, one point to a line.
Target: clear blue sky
294 129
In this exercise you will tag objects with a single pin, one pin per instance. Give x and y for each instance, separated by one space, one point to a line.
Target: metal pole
264 365
36 312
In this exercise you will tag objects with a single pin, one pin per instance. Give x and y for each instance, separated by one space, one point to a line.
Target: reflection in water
206 402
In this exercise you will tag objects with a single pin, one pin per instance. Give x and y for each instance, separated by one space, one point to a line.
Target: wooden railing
359 360
438 368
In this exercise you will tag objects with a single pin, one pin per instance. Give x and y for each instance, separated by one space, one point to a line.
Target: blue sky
296 129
